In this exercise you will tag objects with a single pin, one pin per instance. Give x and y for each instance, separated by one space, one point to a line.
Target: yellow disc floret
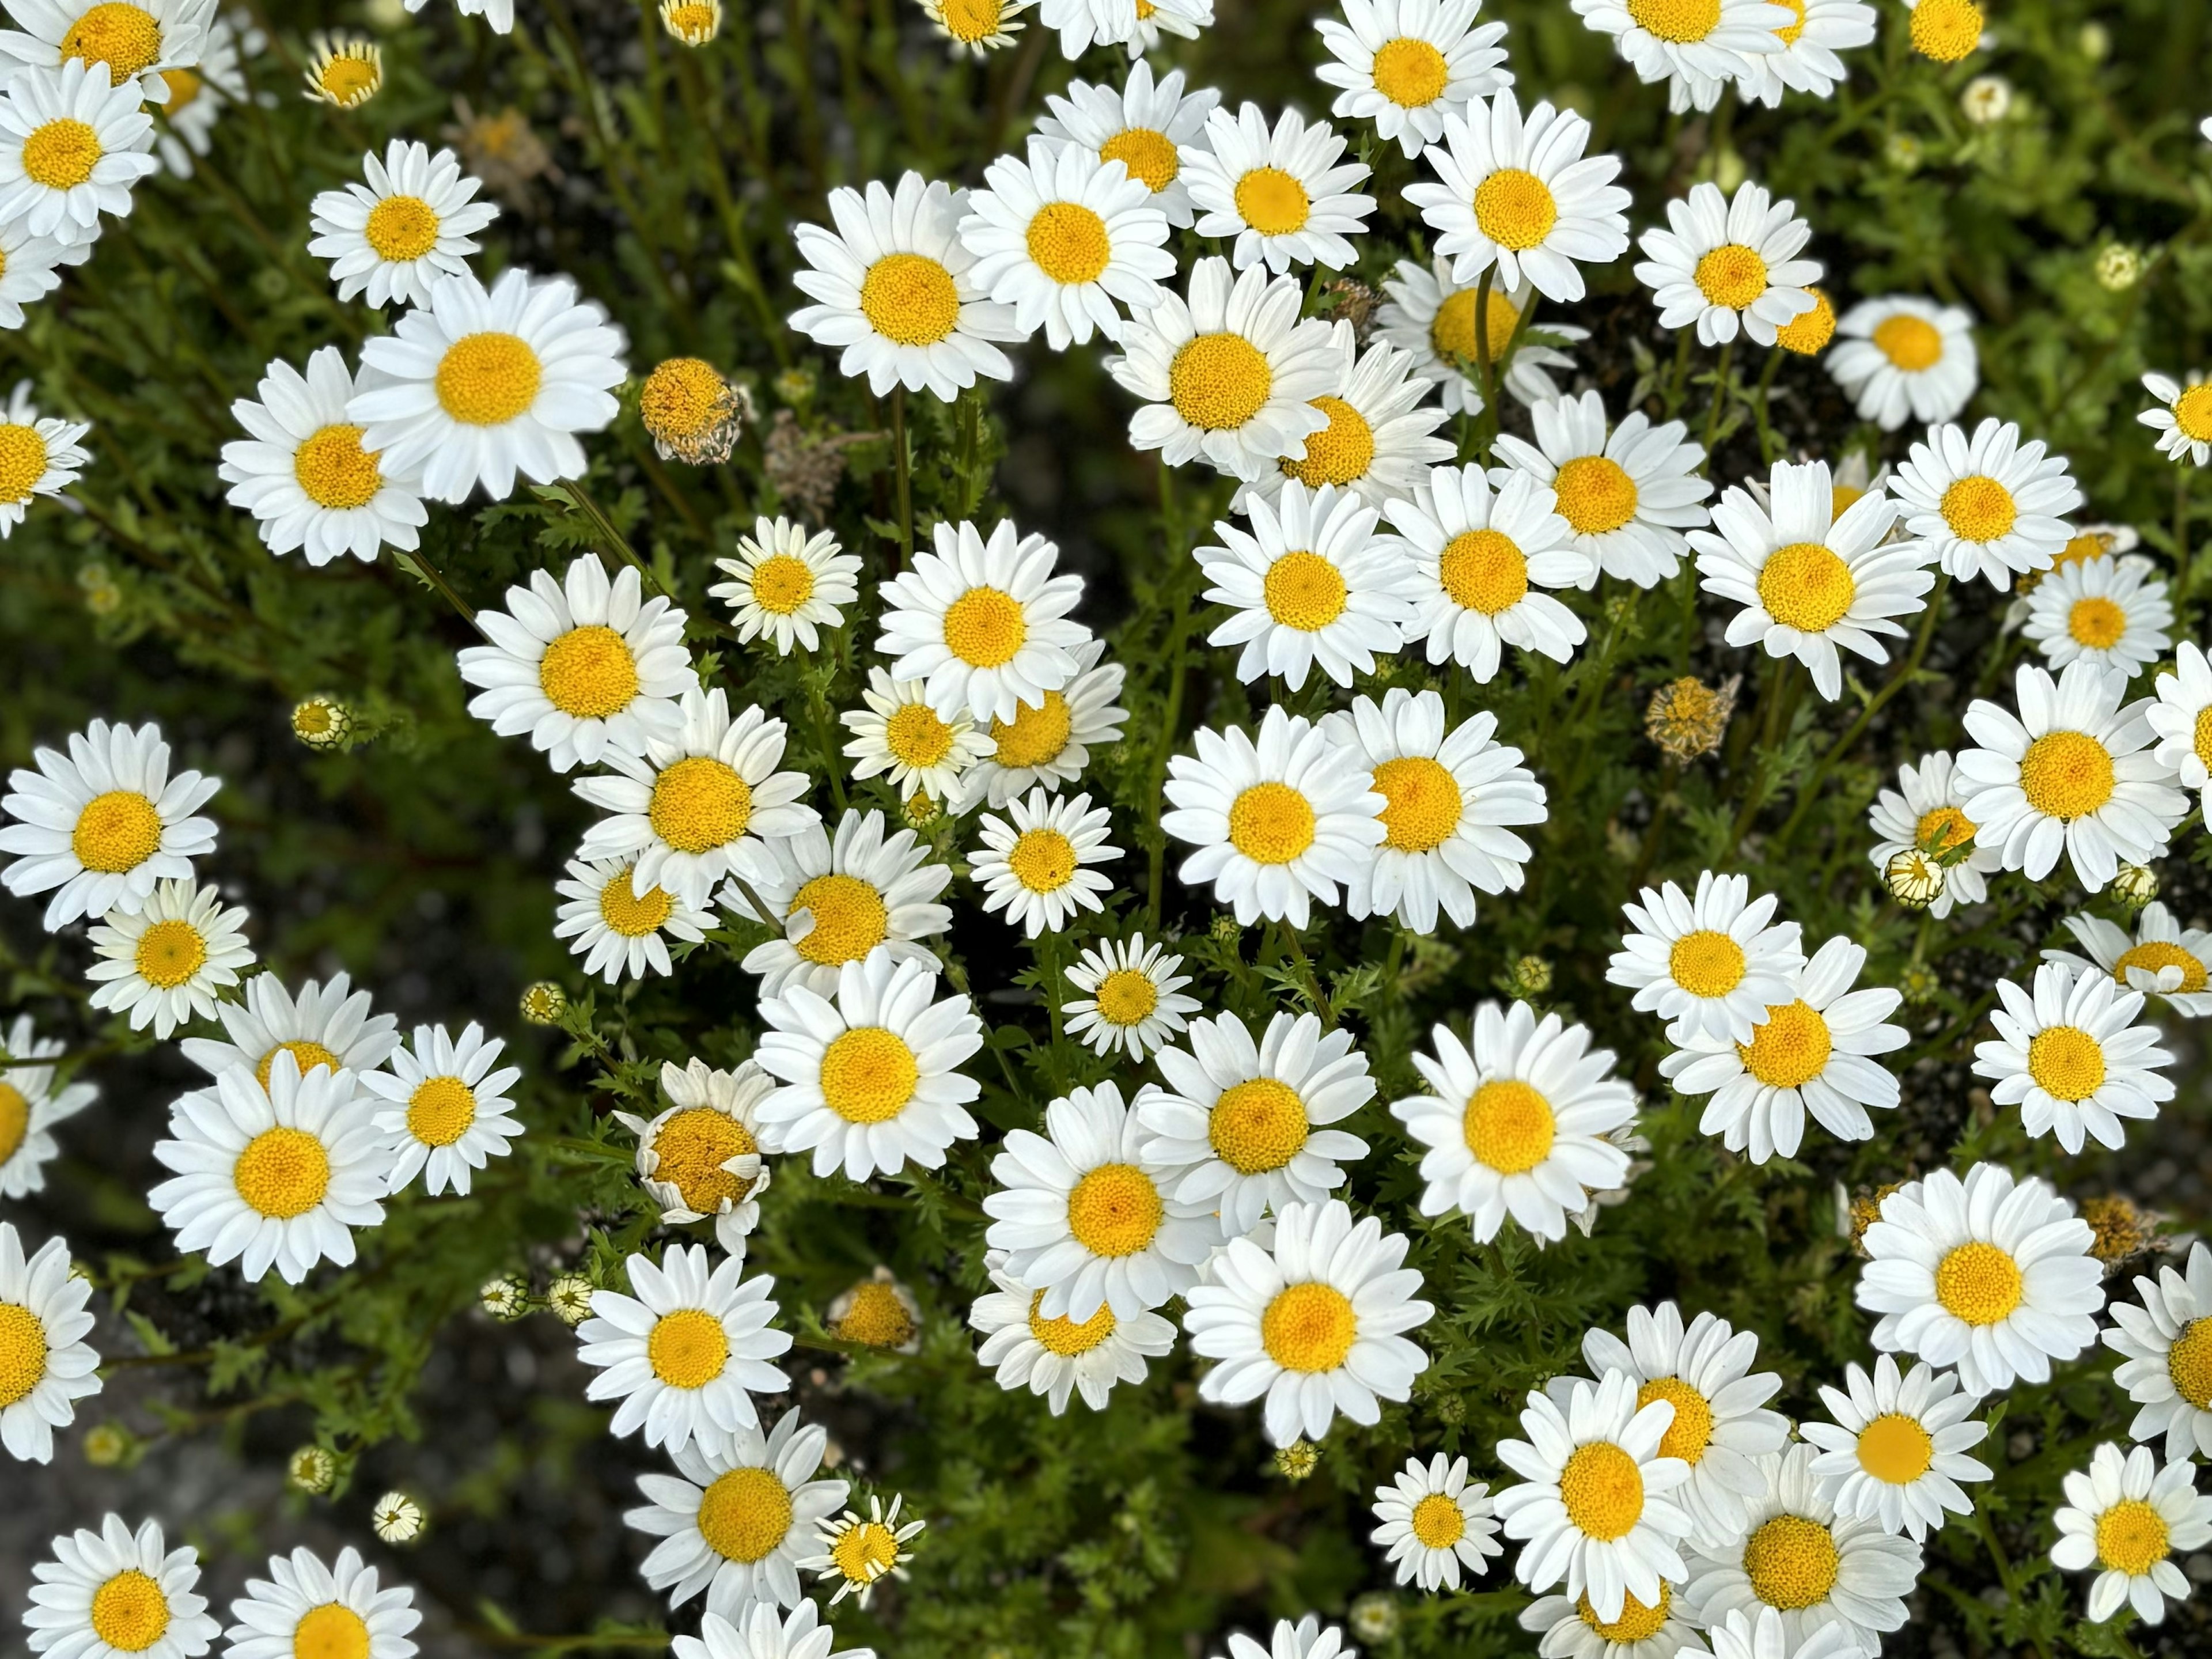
589 672
700 803
1790 1049
1691 1431
401 228
1706 963
689 1151
868 1075
23 458
1271 824
1126 996
1303 590
1410 72
1043 859
683 400
1068 242
306 1055
1946 30
1804 585
631 913
1483 570
1508 1126
1114 1210
61 153
22 1352
1438 1521
1808 332
1895 1449
745 1514
1258 1125
1308 1328
129 1612
1637 1623
2189 1363
1679 21
1596 495
1452 330
124 38
910 299
2067 774
1731 276
1602 1490
1422 803
1037 734
688 1348
1272 201
984 628
334 470
1217 382
1978 508
1911 343
2066 1062
488 379
916 735
1066 1337
2096 623
1978 1283
1149 154
332 1631
782 583
2157 954
440 1110
1515 209
15 1120
116 832
1791 1562
2131 1538
282 1173
850 919
1339 453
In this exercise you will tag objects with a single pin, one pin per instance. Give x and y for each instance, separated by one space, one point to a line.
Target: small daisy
37 456
1448 796
2181 717
1816 32
273 1173
72 147
896 288
1037 868
2165 1346
1279 192
1315 1322
305 1610
1406 64
192 100
617 930
1380 436
1986 506
870 1079
1571 1629
1992 1274
2073 772
343 70
872 887
1926 813
414 221
1595 1505
1129 999
1903 356
135 40
1062 237
983 623
1810 1052
1228 375
976 28
2128 1518
2184 419
328 1025
1276 823
735 1518
474 386
1897 1449
784 584
447 1107
1521 1121
1726 264
1627 496
1055 1358
114 1592
1304 1640
1697 50
1478 558
46 1363
858 1552
169 963
877 1312
30 1107
1434 1522
1154 21
1310 583
1049 743
685 1354
898 734
1713 964
2072 1056
1427 313
764 1632
303 475
2163 959
27 270
586 665
2102 611
701 1157
1148 126
101 825
1522 197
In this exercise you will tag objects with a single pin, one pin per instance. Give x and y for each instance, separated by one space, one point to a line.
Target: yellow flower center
1677 20
14 1121
180 88
2079 550
910 299
1272 201
401 229
868 1075
1637 1623
589 672
1804 585
689 1151
865 1551
1895 1449
682 399
2156 953
700 803
1978 508
116 832
1508 1126
1126 996
22 459
1218 382
1410 73
1043 859
1978 1283
2096 623
850 919
1911 344
2189 1363
305 1054
1438 1521
1303 590
129 1612
1790 1049
2131 1537
627 913
1596 495
123 38
1271 824
1946 30
22 1352
782 584
2066 1061
1602 1490
1036 734
1942 830
1483 570
2201 735
2192 412
1706 964
1791 1562
1068 242
1842 498
916 737
1421 803
1149 154
1788 33
332 1631
984 628
970 21
1114 1210
1452 332
282 1173
688 1348
1515 209
875 1318
1732 275
1340 451
1308 1328
1257 1125
745 1514
1065 1336
440 1110
1691 1431
335 471
61 153
488 379
351 78
170 952
2066 774
1808 332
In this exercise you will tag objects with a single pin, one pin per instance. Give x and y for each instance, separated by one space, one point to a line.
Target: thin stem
1487 370
758 904
430 574
616 543
2182 475
1769 444
1720 397
904 464
1294 948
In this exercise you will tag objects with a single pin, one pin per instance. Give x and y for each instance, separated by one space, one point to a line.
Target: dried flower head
879 1312
804 467
2120 1230
500 149
1353 300
692 412
345 71
1688 718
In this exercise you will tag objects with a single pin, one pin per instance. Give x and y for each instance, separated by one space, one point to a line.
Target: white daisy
46 1363
1049 743
1712 964
474 386
1695 49
2072 1056
858 1552
764 1632
132 39
99 826
1478 558
1816 32
1448 796
784 584
38 457
1310 583
193 99
448 1110
1726 264
1569 1628
2102 611
30 1107
1900 355
1522 196
499 14
1986 506
303 475
898 734
1062 237
1130 997
1304 1640
2162 959
735 1518
168 962
1520 1121
1434 1522
1157 19
1406 64
1427 313
1627 496
976 28
1038 868
273 1173
2165 1346
328 1025
2184 419
1055 1358
1228 375
872 886
687 1352
2181 717
115 1592
1279 191
1380 437
895 288
72 147
1992 1274
2072 772
305 1610
1147 125
1897 1449
1926 813
1314 1322
615 929
415 220
983 623
701 1157
26 269
587 667
2128 1517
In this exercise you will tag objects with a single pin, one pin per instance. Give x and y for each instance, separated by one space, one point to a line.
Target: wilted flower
499 149
396 1518
804 467
2120 1229
1688 718
693 413
322 722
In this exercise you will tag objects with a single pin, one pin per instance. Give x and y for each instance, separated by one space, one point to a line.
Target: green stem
903 463
1769 446
615 542
2182 475
430 574
1720 398
1486 429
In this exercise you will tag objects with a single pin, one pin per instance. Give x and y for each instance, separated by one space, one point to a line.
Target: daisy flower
2181 717
983 623
474 386
2102 611
1055 1358
1447 796
304 1607
46 1363
1181 18
1986 506
1037 868
100 826
2128 1517
27 270
1147 125
1434 1522
1311 583
1901 356
1571 1629
1380 435
1277 822
37 456
1049 743
1628 497
1594 1505
586 665
1228 374
1712 964
686 1353
1427 313
701 1157
784 584
1896 1451
72 147
869 1077
1697 50
763 1632
1521 1121
2165 1346
1812 1051
1728 264
1406 64
2072 1057
877 1312
976 28
841 900
303 475
1304 1640
29 1108
1478 557
735 1517
327 1025
2163 959
343 70
2183 420
1247 1123
858 1552
169 963
898 734
617 930
275 1173
1279 191
134 39
895 288
1315 1323
1817 31
2072 772
448 1108
115 1591
1129 999
414 220
1992 1274
1062 237
1522 196
1926 813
